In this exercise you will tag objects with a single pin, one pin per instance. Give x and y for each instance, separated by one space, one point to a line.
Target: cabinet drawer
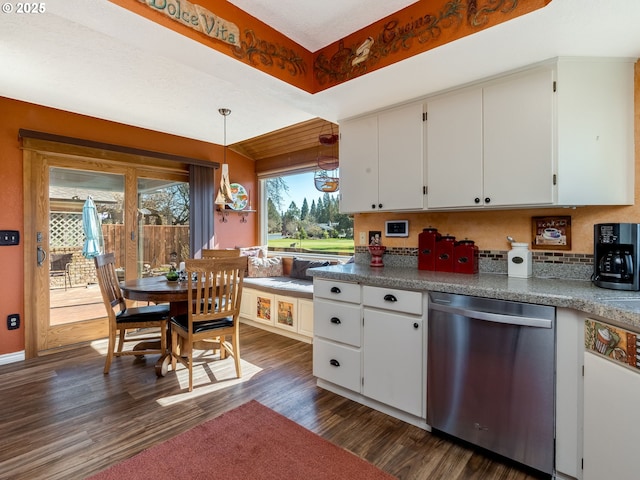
334 290
392 299
339 364
337 321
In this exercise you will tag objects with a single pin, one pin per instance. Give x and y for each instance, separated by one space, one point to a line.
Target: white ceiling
95 58
316 24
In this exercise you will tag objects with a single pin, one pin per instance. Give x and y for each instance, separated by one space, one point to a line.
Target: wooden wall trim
297 162
109 147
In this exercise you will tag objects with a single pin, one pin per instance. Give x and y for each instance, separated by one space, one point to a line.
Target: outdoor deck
75 304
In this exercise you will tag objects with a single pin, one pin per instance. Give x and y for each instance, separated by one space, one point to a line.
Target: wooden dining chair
123 318
220 253
215 292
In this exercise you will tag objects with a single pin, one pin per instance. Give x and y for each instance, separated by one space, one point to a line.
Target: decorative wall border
422 26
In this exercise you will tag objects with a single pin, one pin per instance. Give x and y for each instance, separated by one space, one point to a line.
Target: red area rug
251 442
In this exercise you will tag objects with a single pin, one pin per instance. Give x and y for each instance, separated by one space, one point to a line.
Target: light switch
9 237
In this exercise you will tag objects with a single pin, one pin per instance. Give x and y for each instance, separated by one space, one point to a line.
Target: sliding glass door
142 221
163 225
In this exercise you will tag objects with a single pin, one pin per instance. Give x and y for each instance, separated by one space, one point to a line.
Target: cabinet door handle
379 205
334 362
390 298
373 205
416 325
477 199
335 290
487 200
335 320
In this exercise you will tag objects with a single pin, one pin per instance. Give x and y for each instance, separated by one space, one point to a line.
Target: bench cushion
291 287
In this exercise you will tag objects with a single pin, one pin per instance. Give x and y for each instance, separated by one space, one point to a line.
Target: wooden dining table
160 290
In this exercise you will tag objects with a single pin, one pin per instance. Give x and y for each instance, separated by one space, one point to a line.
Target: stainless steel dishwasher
490 375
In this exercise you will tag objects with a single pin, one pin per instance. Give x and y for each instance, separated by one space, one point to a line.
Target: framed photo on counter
551 233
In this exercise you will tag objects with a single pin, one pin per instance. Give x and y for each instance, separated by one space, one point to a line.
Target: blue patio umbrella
92 226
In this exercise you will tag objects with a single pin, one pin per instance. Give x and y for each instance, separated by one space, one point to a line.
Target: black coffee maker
617 256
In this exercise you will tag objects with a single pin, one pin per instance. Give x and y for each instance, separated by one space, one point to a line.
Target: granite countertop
609 305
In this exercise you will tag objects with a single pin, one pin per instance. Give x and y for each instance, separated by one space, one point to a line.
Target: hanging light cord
224 112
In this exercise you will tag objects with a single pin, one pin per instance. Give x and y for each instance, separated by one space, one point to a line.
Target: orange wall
17 115
490 228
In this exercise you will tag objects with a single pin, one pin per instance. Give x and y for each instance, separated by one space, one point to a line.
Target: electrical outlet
363 238
13 321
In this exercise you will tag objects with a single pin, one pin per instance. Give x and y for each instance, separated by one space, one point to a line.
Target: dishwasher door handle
494 317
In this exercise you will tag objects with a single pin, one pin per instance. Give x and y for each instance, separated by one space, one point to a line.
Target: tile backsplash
574 266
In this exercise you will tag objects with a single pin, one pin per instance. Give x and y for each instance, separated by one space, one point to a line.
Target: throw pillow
257 251
299 268
265 267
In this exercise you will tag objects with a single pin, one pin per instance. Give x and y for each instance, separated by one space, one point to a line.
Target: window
301 219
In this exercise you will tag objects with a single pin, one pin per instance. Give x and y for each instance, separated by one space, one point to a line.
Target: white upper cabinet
595 132
492 146
558 134
518 160
382 161
359 164
454 150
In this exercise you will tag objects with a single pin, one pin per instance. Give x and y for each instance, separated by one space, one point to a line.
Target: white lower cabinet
337 363
282 314
393 367
611 394
336 333
371 342
338 321
305 317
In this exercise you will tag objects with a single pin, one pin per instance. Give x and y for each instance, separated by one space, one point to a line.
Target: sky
301 186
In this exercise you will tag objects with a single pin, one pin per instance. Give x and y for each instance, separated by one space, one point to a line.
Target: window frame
263 234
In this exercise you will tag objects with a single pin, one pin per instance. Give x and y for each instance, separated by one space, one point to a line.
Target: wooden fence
162 244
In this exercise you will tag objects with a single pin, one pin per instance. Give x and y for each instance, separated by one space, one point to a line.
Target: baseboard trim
12 357
381 407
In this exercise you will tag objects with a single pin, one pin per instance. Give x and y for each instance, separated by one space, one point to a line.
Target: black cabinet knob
335 290
334 362
335 320
390 298
416 325
487 200
373 205
379 205
477 200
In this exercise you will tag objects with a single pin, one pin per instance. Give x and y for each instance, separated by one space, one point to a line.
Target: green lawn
340 246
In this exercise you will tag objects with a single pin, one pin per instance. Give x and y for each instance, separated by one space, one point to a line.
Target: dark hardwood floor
61 418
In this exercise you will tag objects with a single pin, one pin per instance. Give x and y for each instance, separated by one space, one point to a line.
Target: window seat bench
282 304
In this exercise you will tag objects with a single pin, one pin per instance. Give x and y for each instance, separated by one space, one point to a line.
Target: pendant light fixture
224 194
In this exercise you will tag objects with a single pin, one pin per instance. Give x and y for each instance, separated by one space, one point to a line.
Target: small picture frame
285 313
263 308
375 237
551 233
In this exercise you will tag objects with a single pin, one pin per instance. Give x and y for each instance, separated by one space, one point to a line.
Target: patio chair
123 318
59 267
214 295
